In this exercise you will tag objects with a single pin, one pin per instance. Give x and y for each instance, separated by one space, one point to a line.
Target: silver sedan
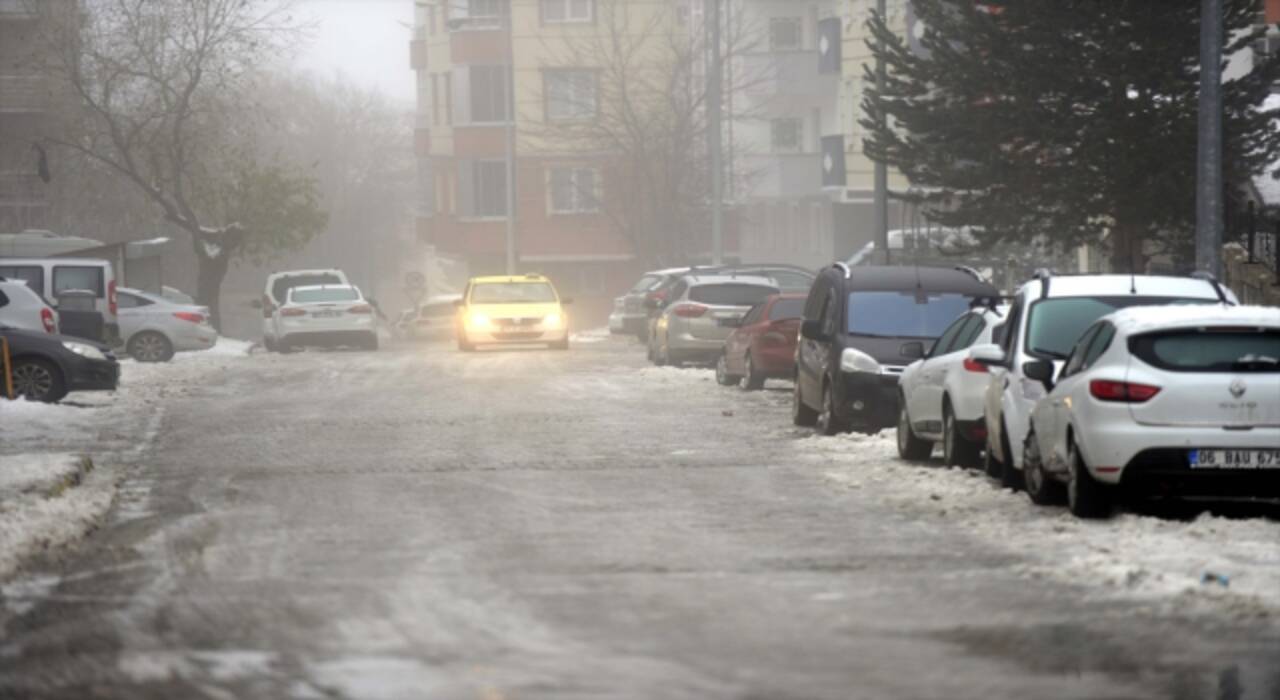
154 328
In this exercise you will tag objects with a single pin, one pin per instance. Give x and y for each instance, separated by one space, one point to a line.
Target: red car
763 346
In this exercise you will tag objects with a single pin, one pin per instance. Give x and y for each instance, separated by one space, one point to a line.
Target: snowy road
425 524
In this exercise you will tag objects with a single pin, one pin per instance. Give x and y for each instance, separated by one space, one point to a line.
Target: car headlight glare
85 350
478 320
852 360
552 321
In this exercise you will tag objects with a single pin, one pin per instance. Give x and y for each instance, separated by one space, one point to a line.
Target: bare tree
647 120
161 86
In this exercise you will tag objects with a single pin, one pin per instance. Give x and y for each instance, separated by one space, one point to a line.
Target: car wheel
829 420
723 378
1010 477
149 346
956 450
910 447
1086 496
801 414
38 380
1043 489
753 381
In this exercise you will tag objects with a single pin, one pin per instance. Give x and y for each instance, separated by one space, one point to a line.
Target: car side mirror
912 351
987 355
812 329
1041 371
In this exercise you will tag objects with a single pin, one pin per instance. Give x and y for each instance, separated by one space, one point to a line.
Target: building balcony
782 175
789 75
23 93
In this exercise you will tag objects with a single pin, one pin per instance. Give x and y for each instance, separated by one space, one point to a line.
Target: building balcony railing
24 189
23 93
789 74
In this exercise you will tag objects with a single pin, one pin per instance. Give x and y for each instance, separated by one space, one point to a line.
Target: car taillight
972 365
293 312
689 310
112 301
360 309
46 320
1128 392
188 316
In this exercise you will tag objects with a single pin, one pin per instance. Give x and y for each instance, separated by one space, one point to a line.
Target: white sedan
1162 401
154 328
942 393
329 315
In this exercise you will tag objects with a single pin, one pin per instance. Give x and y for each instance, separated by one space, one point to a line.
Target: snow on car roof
1143 319
1122 285
313 287
717 278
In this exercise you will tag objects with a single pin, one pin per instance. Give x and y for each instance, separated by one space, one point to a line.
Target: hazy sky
366 41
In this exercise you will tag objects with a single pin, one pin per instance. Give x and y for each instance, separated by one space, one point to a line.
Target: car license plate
326 314
1235 459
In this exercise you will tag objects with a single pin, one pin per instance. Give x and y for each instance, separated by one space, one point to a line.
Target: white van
51 277
276 293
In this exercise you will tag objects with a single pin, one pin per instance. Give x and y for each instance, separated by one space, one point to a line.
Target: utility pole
882 170
715 97
511 143
1209 206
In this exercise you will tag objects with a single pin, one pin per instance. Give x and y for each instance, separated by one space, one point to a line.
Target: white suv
1046 318
942 393
1179 400
276 293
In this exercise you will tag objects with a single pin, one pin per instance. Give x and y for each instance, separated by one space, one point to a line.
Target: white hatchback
942 393
22 308
1162 401
332 314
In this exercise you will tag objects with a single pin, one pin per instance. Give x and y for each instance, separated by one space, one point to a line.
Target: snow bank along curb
49 494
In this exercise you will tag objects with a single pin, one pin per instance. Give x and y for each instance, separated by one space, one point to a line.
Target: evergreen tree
1067 121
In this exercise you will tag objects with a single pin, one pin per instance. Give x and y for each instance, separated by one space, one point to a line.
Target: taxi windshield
513 293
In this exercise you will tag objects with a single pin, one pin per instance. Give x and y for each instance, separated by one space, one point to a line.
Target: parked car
512 309
630 317
86 280
689 329
154 328
855 322
20 307
1046 317
763 344
433 319
46 367
326 315
942 392
1174 401
277 291
788 278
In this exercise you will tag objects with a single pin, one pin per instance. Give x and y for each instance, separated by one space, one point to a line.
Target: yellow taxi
512 309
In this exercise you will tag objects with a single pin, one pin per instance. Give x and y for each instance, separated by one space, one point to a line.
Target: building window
567 10
482 188
487 8
488 94
448 98
571 94
787 135
573 190
435 99
785 34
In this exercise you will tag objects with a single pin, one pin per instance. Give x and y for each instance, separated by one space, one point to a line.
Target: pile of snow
595 335
1211 561
43 503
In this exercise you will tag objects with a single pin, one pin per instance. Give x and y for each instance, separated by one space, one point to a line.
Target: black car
48 367
848 360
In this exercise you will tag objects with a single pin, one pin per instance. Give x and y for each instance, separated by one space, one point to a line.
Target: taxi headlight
478 320
852 360
552 321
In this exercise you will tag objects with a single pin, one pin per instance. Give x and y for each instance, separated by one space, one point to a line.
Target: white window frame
566 11
573 107
584 200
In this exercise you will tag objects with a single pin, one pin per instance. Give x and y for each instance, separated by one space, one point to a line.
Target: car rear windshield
902 314
513 293
730 294
646 283
312 296
280 289
787 308
1211 350
1055 325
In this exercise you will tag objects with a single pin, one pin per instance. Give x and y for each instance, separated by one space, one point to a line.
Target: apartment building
28 101
472 117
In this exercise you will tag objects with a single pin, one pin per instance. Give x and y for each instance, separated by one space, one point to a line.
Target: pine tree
1065 121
